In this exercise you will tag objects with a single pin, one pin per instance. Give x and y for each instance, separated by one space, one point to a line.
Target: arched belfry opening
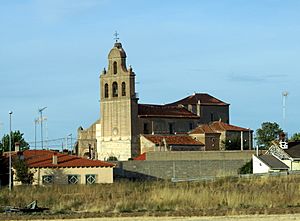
123 89
106 90
115 89
115 68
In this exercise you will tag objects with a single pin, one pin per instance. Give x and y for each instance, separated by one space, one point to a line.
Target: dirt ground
286 217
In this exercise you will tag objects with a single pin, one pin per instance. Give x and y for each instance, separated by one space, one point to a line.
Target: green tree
247 168
295 137
267 133
23 173
16 136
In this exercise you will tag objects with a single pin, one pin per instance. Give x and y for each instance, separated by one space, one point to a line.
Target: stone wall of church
86 138
165 125
214 113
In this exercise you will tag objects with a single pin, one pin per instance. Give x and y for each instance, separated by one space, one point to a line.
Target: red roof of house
43 158
203 129
205 99
141 157
215 127
173 140
151 110
221 126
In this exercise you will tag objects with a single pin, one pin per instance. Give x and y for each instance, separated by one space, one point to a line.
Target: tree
247 168
23 173
295 137
267 133
16 136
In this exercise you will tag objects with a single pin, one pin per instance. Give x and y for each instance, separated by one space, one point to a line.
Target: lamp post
9 166
41 113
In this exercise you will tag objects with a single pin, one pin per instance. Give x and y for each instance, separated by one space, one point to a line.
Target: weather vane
116 34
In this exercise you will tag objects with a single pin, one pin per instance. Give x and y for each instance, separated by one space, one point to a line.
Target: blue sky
245 53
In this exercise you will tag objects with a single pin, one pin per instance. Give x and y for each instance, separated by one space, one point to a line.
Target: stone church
123 120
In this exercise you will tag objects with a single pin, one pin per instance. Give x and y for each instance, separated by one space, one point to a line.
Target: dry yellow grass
230 195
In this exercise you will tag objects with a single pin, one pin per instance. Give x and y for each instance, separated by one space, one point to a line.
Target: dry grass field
269 195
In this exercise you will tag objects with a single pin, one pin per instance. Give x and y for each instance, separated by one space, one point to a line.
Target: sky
245 53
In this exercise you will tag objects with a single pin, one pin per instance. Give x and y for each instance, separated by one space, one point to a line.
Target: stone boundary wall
178 169
199 155
171 165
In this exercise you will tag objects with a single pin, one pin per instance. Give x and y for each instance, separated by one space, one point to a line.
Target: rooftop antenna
116 34
284 97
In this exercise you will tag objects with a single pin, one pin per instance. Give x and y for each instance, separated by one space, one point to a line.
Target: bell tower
118 108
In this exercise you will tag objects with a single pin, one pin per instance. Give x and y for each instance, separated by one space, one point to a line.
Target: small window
73 179
171 128
191 125
123 89
115 89
211 116
115 67
106 90
90 179
47 179
146 129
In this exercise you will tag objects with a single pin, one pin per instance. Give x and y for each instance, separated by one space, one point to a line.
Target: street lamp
41 112
9 166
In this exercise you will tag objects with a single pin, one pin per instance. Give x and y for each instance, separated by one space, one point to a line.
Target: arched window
106 90
123 89
115 89
115 67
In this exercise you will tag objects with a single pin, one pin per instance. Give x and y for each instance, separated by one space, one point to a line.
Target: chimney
198 108
54 159
17 146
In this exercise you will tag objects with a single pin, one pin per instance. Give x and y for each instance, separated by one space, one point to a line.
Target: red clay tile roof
221 126
205 99
141 157
43 158
203 129
215 127
150 110
173 140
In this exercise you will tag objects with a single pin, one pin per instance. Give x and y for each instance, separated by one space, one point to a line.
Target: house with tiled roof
218 135
289 156
268 163
51 167
169 143
125 124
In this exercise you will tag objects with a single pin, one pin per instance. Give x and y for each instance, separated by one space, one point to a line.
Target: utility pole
41 113
9 166
35 123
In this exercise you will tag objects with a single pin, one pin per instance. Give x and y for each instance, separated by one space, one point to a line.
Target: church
126 127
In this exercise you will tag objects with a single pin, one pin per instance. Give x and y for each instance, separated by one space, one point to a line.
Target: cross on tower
116 36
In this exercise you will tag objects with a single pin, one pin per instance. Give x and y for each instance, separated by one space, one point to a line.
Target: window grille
47 179
90 179
73 179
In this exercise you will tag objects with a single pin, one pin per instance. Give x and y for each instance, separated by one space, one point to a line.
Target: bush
247 168
23 173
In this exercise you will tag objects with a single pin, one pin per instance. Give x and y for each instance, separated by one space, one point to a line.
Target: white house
268 163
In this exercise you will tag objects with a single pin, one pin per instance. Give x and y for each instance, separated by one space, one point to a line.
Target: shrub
247 168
